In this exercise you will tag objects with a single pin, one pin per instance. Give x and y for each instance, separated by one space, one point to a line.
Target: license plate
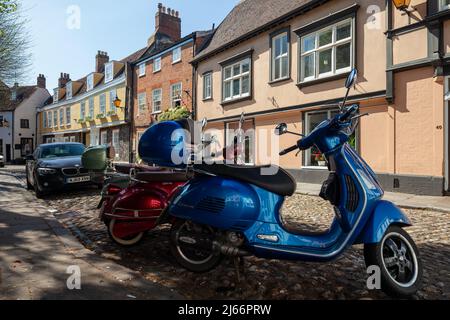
79 179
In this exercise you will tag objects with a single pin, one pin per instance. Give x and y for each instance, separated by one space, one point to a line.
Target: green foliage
8 6
174 114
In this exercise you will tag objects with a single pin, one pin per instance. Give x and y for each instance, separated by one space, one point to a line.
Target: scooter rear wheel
125 242
194 259
398 258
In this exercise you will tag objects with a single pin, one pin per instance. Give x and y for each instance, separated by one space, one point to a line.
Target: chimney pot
168 23
100 60
41 81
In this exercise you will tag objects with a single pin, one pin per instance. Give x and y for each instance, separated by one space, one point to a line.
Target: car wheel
39 194
29 185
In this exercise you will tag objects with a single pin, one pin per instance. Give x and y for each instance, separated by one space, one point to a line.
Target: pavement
38 256
403 200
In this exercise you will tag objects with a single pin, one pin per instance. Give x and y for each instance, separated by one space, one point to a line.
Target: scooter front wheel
400 265
185 238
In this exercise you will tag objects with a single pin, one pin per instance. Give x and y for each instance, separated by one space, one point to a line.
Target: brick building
162 77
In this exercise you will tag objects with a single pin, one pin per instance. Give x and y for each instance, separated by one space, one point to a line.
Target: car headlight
1 158
46 171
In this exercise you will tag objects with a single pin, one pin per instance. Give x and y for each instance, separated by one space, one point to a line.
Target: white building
18 106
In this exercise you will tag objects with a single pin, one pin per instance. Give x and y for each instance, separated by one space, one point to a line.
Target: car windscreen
61 150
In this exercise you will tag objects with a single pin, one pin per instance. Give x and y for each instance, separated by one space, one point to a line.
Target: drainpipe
130 113
194 80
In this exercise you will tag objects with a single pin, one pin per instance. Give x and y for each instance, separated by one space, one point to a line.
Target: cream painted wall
410 46
371 64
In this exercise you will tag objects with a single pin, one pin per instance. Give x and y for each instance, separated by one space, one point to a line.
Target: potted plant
101 116
112 113
174 114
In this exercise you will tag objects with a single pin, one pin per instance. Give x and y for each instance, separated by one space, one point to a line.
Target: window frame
273 37
102 104
159 64
334 22
68 115
90 82
112 97
55 95
82 110
206 75
173 100
102 135
61 117
154 111
55 119
240 59
91 108
109 67
443 6
178 49
69 90
44 120
142 69
144 104
24 121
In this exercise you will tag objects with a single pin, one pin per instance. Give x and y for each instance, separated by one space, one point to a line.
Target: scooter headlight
46 171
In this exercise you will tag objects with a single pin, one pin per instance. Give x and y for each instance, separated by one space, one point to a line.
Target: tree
14 43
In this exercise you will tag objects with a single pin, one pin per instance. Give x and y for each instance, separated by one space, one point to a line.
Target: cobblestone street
342 279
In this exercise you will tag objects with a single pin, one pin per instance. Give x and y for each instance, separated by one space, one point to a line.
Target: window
280 57
14 95
104 137
247 155
207 86
115 143
444 4
61 117
44 119
90 82
176 91
69 91
112 97
49 119
24 124
142 70
73 139
176 55
91 108
55 95
55 119
313 157
156 100
103 104
83 110
109 72
236 80
68 116
157 64
327 52
142 103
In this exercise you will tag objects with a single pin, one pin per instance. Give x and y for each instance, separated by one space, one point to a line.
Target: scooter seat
281 183
161 177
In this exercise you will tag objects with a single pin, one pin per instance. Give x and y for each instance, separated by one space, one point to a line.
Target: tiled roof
134 56
23 93
247 17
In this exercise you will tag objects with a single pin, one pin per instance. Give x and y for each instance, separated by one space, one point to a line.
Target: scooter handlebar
288 150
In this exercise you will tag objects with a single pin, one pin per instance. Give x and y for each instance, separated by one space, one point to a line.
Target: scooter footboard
385 214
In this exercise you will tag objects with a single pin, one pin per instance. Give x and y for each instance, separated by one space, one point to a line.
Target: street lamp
117 102
402 5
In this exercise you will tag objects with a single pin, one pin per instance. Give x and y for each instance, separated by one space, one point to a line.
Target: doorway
8 153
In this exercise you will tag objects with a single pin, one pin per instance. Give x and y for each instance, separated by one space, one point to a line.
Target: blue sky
117 27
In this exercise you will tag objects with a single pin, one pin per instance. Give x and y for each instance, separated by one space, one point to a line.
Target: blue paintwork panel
384 215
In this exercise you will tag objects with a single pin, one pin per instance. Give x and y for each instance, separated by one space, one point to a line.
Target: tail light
112 189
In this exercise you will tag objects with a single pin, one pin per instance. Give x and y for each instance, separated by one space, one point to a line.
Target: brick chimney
168 22
41 82
63 79
100 60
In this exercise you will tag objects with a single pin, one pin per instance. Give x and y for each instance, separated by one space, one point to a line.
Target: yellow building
84 110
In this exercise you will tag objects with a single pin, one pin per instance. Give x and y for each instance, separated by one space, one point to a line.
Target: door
8 153
27 147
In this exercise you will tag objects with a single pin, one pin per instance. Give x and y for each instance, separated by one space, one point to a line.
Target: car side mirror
281 129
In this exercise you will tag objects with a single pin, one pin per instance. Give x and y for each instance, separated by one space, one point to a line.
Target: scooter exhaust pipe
230 250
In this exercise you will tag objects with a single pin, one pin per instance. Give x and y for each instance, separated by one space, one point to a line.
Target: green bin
95 158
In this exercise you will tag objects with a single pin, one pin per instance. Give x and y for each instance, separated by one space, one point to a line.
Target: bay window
236 80
280 56
327 52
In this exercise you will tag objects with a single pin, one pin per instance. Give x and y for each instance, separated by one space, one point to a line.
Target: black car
55 166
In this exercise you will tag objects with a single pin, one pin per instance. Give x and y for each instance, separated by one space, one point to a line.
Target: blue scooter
230 210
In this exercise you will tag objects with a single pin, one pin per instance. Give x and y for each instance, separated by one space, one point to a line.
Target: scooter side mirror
281 129
351 80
